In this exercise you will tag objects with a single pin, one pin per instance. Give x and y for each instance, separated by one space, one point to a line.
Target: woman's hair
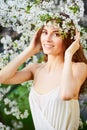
79 54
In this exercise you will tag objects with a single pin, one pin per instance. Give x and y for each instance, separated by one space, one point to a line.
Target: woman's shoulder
80 69
80 65
35 67
79 73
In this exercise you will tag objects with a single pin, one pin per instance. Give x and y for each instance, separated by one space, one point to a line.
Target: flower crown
45 12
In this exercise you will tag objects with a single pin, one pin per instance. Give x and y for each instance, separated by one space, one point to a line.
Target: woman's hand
35 44
73 47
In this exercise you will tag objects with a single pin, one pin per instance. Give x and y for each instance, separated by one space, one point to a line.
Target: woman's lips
48 46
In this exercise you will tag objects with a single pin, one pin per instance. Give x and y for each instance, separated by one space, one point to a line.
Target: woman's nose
48 38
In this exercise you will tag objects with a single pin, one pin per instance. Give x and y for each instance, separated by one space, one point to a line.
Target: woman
57 82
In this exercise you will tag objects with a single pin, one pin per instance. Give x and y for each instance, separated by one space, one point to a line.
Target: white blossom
14 109
3 127
17 124
3 91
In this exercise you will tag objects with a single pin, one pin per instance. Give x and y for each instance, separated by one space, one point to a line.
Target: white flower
6 101
3 91
17 124
80 124
14 110
3 127
26 114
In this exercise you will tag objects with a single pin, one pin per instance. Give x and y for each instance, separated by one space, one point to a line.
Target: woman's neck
54 62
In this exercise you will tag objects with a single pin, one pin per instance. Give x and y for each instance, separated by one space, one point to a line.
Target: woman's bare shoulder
35 67
80 70
80 65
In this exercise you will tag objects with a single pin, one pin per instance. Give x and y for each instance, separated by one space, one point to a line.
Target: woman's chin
47 52
52 53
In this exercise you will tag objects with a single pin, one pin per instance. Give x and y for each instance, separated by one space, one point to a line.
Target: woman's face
51 40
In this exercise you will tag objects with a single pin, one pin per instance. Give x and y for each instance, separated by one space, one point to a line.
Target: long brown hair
79 55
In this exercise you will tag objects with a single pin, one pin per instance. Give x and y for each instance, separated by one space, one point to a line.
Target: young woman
57 82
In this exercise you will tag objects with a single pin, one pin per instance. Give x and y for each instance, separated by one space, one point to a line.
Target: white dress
49 112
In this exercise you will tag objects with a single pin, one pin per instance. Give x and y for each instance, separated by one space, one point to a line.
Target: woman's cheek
60 44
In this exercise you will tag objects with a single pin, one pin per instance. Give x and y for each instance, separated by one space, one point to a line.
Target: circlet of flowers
26 17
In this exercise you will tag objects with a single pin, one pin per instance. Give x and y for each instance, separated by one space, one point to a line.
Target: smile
48 46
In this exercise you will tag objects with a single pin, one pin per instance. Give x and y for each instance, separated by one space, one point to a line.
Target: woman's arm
22 76
73 75
10 73
10 69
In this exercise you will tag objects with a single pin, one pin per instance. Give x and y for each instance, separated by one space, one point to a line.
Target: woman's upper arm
22 76
80 73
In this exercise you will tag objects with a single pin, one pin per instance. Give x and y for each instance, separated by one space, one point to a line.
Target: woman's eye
44 32
56 34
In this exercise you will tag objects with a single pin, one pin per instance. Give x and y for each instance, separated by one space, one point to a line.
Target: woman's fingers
38 33
37 36
77 35
36 43
75 45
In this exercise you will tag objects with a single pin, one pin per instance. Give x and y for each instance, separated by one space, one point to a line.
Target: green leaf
45 17
74 8
28 9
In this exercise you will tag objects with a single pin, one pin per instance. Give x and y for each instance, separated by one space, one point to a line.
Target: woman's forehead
51 27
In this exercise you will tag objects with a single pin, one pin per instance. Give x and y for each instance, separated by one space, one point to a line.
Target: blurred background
15 113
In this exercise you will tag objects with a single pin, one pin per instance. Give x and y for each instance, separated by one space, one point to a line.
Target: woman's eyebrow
56 31
44 29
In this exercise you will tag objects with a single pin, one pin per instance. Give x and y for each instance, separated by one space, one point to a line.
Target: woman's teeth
48 45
